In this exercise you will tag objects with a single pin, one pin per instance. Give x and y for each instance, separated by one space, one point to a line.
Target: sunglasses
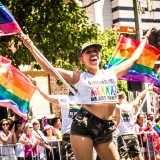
5 124
36 123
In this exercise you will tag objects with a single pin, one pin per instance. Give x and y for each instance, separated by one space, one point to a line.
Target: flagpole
139 109
53 69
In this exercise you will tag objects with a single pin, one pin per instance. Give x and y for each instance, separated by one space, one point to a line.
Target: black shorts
66 149
88 125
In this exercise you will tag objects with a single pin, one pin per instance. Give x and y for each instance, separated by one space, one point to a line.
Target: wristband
24 121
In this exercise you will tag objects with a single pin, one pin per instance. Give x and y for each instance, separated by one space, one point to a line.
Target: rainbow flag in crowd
142 71
8 25
157 127
15 88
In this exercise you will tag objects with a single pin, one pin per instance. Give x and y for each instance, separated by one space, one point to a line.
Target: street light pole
137 19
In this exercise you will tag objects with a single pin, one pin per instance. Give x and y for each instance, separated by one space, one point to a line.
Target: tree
56 27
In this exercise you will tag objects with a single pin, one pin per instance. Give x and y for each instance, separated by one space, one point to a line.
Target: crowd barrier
150 149
16 151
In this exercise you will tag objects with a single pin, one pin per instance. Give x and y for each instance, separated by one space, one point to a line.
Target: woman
56 123
49 138
8 138
148 138
141 127
30 142
95 114
19 148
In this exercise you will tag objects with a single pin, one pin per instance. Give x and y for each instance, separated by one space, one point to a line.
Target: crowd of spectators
30 139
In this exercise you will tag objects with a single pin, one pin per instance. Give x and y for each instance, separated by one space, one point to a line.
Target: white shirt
69 108
99 88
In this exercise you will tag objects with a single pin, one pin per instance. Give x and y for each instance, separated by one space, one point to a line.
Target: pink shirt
27 149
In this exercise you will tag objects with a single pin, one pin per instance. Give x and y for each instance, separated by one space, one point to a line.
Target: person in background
148 138
69 108
127 140
50 138
40 135
92 126
150 117
140 128
19 148
56 123
30 142
8 138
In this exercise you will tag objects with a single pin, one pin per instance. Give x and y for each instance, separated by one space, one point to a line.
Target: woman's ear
82 60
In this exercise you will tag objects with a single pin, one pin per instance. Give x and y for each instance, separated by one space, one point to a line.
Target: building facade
121 12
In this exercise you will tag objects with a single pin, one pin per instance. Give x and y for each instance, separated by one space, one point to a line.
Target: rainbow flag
157 127
15 88
142 71
8 25
75 107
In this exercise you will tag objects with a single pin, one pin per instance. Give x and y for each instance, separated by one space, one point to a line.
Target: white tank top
126 124
100 88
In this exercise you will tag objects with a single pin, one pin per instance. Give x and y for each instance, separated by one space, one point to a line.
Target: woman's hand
26 40
149 32
13 129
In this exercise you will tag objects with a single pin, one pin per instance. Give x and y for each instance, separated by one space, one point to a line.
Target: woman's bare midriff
102 110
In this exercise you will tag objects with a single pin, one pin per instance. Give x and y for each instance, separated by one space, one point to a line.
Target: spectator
56 123
8 138
150 116
50 137
39 134
158 118
30 142
19 148
140 128
148 137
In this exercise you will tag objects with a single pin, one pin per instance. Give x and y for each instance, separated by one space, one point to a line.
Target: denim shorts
88 125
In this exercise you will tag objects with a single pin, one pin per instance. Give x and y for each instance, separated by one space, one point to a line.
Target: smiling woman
97 92
7 137
30 142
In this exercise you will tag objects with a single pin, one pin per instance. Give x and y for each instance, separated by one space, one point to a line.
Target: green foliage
56 28
122 86
108 39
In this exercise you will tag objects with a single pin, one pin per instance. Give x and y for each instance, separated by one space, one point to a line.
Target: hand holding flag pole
50 66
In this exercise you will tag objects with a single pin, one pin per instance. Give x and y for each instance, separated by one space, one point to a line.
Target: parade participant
127 139
92 126
69 108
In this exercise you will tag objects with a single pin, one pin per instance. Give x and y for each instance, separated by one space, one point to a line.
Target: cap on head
47 127
34 121
84 46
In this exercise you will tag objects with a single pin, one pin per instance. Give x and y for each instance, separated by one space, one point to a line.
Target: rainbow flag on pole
157 127
15 88
142 71
8 25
